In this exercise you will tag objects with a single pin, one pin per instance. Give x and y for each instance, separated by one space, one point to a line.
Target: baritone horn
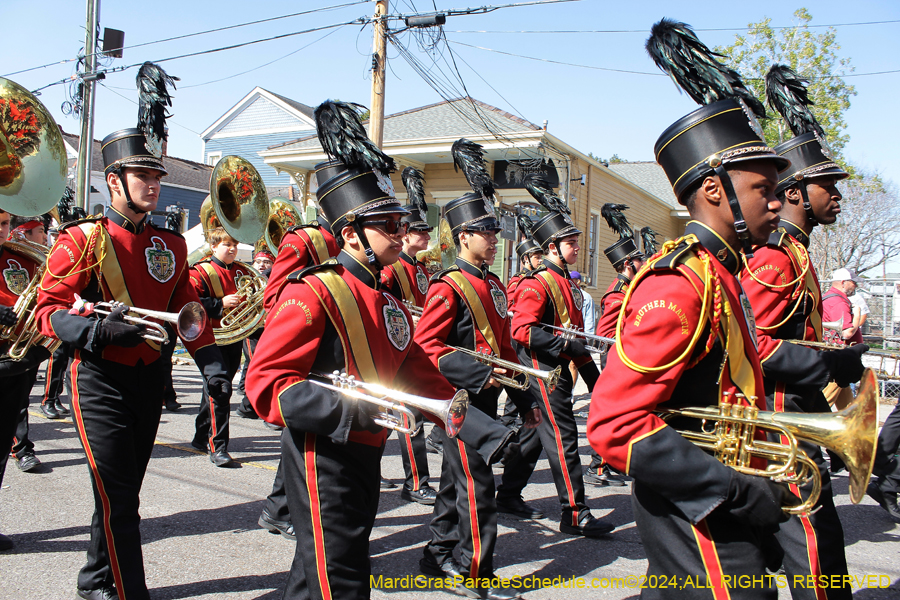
190 321
727 431
550 378
451 411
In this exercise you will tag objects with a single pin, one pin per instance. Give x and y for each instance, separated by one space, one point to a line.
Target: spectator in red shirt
836 306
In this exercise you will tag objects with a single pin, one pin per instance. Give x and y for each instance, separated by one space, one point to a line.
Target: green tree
814 56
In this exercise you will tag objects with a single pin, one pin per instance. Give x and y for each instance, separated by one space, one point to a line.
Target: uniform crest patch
577 298
499 299
398 330
16 277
421 281
160 260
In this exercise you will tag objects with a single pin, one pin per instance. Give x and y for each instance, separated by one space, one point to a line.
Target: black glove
366 413
847 364
114 331
219 388
7 316
576 349
758 500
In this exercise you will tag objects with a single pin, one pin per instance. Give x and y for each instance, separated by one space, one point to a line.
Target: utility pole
379 63
85 146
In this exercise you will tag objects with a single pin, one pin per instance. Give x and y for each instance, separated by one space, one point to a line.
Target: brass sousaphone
441 251
282 216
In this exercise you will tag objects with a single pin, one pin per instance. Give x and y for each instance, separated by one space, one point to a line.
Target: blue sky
593 110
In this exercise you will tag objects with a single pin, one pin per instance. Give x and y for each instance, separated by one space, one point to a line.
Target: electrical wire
136 104
646 31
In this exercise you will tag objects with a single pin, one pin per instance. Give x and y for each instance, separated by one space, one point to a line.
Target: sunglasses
389 226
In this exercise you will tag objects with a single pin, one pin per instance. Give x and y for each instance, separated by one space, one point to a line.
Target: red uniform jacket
300 247
511 290
783 290
18 270
547 295
111 258
213 280
406 279
470 315
310 329
610 304
668 363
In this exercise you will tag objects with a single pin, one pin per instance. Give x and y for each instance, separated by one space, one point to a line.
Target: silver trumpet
596 343
190 321
452 411
550 378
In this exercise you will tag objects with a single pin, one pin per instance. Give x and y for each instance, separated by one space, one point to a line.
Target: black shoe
449 569
173 405
425 495
388 485
433 446
221 458
198 446
588 526
246 414
517 507
6 543
887 500
61 408
273 426
49 410
603 477
107 593
28 462
285 528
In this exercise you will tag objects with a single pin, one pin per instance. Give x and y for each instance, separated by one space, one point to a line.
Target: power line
567 31
187 35
480 10
136 104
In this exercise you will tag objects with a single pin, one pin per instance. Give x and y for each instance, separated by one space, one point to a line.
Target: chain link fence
882 331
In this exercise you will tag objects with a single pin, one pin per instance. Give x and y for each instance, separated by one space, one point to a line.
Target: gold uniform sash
476 307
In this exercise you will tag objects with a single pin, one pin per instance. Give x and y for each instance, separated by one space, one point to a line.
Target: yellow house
422 138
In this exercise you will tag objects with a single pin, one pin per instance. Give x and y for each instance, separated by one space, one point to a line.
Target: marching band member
335 317
216 282
781 284
467 308
548 296
116 374
407 279
685 337
530 257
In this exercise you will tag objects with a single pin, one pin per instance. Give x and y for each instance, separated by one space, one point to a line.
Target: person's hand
576 349
848 366
533 418
366 413
219 388
492 382
231 300
758 500
115 331
7 316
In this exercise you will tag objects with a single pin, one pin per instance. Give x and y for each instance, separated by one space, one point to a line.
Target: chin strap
806 205
370 254
740 226
131 205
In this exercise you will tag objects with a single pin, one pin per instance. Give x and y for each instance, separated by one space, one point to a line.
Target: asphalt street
201 538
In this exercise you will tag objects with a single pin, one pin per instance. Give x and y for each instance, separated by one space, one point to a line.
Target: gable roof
649 176
457 118
182 172
297 110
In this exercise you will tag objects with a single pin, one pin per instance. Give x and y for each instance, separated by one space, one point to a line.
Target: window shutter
497 267
310 214
434 215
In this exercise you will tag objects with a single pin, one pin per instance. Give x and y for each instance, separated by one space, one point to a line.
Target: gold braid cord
711 308
797 295
85 256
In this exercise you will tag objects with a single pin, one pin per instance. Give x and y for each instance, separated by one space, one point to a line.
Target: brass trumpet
570 332
452 411
190 321
550 378
850 433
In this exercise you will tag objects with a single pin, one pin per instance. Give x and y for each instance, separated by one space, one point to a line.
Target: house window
213 157
591 275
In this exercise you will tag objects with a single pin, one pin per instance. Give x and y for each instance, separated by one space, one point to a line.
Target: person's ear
711 190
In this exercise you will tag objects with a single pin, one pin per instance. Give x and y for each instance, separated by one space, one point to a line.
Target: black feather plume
414 181
617 220
539 187
173 220
648 240
526 225
469 156
65 204
675 49
153 100
343 137
786 92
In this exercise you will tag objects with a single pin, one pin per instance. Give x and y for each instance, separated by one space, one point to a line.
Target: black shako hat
622 250
128 148
354 193
552 228
470 213
526 247
326 170
809 158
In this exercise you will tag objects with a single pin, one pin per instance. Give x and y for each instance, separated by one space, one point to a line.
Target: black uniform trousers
557 435
414 455
211 427
15 398
887 466
165 355
718 546
21 443
332 491
813 544
116 410
57 367
249 349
